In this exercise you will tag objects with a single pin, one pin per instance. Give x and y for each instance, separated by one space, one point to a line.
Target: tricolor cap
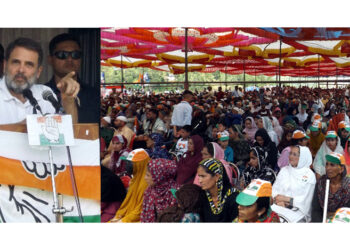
344 125
136 155
298 134
317 117
223 136
335 158
316 125
342 215
331 134
257 188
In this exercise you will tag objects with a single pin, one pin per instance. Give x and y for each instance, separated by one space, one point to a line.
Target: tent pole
279 64
186 85
318 70
226 76
121 56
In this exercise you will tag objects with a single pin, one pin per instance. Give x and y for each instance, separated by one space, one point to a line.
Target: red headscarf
158 197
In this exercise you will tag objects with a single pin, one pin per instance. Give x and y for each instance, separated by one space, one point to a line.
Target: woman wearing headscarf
250 129
257 168
159 176
188 206
331 144
277 128
339 188
263 140
295 183
187 165
254 204
265 122
131 207
156 148
316 137
343 132
218 198
119 149
213 150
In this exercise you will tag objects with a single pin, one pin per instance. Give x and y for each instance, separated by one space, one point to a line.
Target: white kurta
297 182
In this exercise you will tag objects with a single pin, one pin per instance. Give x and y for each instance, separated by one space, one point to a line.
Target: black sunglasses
62 55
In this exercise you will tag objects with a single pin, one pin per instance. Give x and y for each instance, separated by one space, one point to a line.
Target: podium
25 184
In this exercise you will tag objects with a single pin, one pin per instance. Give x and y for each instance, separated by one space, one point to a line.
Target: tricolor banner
25 180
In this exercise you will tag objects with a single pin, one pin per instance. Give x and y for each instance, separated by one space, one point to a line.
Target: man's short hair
62 38
187 92
26 43
187 128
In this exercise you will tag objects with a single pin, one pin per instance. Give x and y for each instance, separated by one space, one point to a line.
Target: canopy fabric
296 52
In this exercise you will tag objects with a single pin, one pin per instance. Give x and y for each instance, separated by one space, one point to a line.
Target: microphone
27 93
48 96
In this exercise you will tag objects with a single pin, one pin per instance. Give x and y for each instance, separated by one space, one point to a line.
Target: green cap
256 189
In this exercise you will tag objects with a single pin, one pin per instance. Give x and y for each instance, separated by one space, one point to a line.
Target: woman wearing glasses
295 184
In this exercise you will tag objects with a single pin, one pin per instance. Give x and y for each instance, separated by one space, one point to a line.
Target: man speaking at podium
22 68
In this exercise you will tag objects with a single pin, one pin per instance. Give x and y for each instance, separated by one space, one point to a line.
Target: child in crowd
223 141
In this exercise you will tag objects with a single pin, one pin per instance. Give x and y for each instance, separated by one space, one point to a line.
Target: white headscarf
297 182
269 128
320 158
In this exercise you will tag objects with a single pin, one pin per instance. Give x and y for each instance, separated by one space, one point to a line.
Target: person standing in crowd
65 59
254 203
339 188
182 113
218 198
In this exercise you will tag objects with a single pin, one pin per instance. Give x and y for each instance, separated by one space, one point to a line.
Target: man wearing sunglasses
65 59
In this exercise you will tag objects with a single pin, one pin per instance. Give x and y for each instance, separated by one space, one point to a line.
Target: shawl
219 154
263 171
188 164
337 200
319 164
297 182
277 127
315 142
131 207
215 166
158 197
333 123
251 132
269 128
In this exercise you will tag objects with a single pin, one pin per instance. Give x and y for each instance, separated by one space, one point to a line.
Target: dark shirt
88 111
228 213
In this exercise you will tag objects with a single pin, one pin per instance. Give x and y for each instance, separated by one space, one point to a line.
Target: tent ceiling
255 51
